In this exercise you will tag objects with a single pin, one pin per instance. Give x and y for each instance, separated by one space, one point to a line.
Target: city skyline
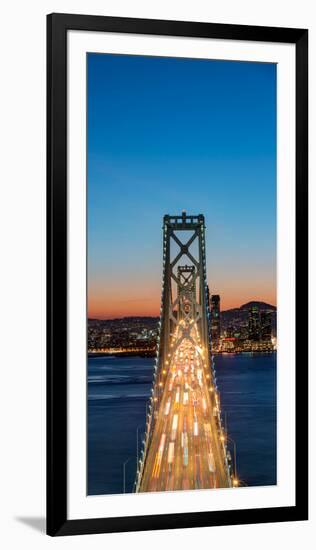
171 134
252 327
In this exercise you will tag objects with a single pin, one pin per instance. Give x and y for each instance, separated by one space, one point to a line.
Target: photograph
182 353
156 201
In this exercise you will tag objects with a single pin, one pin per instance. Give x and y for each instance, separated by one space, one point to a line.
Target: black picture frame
57 27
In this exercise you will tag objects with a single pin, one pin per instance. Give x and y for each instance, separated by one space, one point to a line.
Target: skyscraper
266 326
254 324
215 320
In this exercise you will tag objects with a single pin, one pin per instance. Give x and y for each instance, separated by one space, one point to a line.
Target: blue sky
167 134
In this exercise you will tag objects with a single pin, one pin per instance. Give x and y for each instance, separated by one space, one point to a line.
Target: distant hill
239 316
124 322
259 305
123 319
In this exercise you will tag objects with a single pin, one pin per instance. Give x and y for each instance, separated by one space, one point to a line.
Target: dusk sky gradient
170 134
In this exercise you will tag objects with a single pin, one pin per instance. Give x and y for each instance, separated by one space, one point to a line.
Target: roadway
187 449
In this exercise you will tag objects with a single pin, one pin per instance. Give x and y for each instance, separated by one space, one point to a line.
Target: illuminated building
254 324
266 326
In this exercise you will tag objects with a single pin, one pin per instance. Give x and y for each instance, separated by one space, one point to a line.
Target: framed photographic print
176 274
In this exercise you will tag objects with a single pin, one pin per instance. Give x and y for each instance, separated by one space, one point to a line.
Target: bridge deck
186 450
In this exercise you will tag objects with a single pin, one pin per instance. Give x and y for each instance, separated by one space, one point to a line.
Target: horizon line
158 316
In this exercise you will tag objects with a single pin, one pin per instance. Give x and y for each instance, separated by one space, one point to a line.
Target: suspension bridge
185 444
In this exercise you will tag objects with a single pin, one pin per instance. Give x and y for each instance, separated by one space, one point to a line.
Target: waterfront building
266 326
254 324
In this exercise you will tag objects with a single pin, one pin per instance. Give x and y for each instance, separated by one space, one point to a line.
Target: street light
235 478
140 426
124 477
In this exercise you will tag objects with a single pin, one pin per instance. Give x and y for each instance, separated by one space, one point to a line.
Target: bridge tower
186 294
184 315
188 234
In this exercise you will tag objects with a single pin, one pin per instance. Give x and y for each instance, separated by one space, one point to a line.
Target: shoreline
149 354
122 354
